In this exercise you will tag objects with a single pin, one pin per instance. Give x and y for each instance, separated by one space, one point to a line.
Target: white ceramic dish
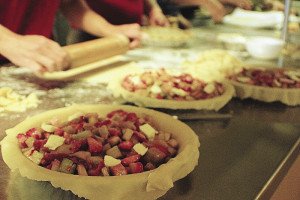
264 47
232 41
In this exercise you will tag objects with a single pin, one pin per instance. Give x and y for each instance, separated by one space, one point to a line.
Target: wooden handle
95 50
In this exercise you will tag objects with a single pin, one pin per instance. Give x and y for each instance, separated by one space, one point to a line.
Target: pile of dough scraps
14 102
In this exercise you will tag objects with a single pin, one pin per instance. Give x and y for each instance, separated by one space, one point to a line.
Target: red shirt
119 11
29 16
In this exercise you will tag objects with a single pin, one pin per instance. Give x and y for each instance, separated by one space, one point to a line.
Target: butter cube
48 128
110 161
140 149
54 141
148 130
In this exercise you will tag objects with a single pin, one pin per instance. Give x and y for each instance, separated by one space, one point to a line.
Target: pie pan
290 96
215 103
147 185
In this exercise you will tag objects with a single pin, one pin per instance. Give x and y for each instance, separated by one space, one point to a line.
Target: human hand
216 10
244 4
157 18
36 52
277 5
132 31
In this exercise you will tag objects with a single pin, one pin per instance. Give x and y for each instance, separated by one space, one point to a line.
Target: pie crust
215 103
288 96
165 37
147 185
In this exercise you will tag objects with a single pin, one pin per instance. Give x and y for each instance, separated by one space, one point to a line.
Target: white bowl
232 41
264 47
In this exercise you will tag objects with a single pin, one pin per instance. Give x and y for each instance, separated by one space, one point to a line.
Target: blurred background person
120 12
215 8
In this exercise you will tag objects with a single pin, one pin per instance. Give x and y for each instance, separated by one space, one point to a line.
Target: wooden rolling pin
95 50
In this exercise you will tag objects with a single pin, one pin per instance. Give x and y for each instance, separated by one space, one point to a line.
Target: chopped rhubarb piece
67 166
173 143
172 151
65 149
99 139
76 117
118 170
29 142
78 127
127 134
82 135
55 165
103 132
81 170
38 144
106 147
69 129
114 140
96 170
127 125
114 132
154 155
134 139
49 157
105 171
126 145
36 157
116 112
95 160
92 118
46 135
136 167
21 139
130 159
94 145
131 117
103 123
30 132
84 155
140 136
59 132
34 132
114 152
149 166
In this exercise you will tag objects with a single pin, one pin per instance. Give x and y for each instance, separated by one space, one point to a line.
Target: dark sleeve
168 7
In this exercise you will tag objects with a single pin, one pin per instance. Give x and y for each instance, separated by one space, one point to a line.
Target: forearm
150 4
189 2
82 17
6 36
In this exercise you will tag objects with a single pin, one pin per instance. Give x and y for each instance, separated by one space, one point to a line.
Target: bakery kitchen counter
246 148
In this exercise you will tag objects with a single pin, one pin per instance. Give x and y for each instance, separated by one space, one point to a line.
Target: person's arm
155 14
245 4
32 51
82 17
214 7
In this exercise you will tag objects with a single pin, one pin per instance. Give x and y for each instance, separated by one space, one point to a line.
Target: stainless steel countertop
242 156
